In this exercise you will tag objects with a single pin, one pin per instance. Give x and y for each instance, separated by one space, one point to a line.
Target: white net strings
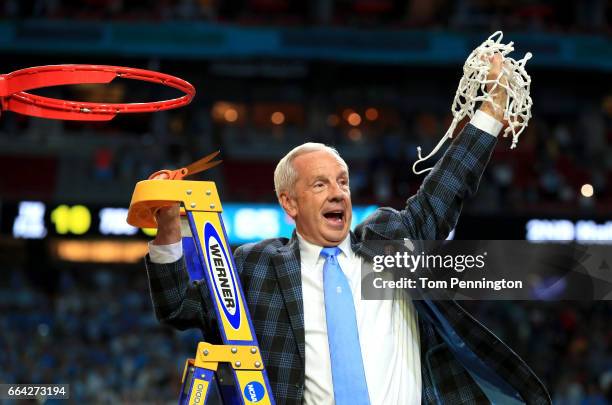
473 89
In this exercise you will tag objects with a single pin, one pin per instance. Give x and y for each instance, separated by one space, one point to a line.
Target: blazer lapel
288 272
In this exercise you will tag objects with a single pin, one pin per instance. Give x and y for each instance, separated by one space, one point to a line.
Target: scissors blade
203 164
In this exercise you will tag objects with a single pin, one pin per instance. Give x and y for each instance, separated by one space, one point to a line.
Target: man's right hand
168 221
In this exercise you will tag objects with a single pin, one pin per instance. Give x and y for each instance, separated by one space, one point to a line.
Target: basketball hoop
13 87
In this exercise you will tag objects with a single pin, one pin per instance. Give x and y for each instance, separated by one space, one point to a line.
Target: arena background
373 77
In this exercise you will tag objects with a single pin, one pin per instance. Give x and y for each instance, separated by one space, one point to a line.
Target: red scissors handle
172 174
201 165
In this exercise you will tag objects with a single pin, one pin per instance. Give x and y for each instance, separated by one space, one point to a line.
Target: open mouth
335 218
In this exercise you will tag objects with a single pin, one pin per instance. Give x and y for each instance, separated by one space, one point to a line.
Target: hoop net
473 89
13 95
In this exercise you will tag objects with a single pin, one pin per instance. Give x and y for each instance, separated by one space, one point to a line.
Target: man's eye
318 185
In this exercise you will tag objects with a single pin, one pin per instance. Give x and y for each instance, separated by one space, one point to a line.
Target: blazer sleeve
178 301
433 211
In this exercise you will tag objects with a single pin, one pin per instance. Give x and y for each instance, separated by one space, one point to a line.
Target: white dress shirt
388 335
486 123
388 329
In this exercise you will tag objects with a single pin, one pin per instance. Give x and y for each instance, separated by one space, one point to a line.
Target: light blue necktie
350 386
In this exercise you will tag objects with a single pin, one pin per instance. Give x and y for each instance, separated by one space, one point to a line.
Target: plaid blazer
271 278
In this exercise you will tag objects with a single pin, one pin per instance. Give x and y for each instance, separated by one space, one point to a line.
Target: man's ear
288 203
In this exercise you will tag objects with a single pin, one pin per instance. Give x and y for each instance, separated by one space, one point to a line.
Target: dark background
92 325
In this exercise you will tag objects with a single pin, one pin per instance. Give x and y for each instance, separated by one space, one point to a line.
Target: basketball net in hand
473 89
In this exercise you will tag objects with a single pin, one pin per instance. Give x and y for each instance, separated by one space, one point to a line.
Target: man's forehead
319 163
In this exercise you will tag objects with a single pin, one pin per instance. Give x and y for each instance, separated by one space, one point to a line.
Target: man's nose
335 192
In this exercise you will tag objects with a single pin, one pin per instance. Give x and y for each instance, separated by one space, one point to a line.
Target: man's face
321 200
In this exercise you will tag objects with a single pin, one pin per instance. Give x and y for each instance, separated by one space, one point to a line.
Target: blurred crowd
567 344
555 162
95 330
539 15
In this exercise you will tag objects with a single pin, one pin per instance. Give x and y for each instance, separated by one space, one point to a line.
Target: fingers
167 217
496 59
168 225
160 176
496 62
495 75
496 104
168 212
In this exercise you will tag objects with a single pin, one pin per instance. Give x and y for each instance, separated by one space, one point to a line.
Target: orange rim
13 87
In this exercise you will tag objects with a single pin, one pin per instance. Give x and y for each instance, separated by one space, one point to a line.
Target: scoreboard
253 222
38 220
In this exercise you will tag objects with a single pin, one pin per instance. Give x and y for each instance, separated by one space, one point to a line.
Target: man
320 347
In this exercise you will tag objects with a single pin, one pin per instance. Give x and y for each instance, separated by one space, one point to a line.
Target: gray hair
285 174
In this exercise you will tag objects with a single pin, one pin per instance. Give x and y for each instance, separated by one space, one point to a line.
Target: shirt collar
311 253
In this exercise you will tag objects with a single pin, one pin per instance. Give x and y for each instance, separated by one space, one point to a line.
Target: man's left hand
499 95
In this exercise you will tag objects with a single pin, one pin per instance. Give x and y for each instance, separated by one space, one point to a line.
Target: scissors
196 167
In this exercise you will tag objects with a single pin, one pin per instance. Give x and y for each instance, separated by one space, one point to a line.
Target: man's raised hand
168 221
498 93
